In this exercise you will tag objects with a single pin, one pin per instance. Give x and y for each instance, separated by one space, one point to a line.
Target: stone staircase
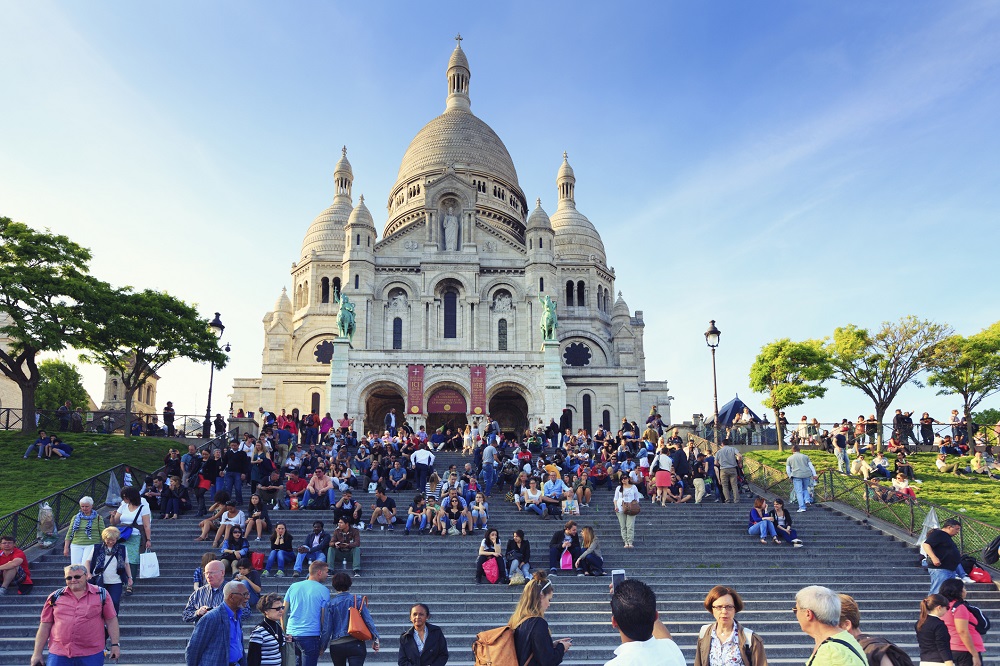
681 551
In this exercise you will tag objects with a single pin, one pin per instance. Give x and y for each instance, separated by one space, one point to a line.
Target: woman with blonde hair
532 638
468 443
725 642
591 560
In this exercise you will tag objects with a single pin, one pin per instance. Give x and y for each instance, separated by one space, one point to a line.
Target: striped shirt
270 650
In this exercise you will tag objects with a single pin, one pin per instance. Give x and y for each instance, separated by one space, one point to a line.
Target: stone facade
452 287
143 400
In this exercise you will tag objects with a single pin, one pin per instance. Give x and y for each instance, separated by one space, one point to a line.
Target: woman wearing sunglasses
267 639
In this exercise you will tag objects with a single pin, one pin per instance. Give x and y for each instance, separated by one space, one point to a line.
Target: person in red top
294 487
13 567
73 623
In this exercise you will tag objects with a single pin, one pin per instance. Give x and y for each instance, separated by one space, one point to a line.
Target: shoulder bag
356 626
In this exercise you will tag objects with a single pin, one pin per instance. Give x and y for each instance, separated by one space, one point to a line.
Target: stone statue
450 230
549 321
345 318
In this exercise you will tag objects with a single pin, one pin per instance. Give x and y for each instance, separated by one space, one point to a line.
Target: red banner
477 374
446 401
414 389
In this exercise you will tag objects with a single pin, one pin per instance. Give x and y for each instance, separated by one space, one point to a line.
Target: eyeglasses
796 609
76 577
241 594
276 608
725 607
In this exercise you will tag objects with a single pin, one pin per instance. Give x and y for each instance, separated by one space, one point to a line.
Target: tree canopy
44 281
967 366
881 363
60 381
137 333
790 373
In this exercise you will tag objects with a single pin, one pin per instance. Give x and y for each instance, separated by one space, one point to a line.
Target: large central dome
462 140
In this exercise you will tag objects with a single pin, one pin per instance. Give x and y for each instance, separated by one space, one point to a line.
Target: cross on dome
458 38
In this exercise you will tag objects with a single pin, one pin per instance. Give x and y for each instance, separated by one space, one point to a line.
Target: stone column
339 397
555 387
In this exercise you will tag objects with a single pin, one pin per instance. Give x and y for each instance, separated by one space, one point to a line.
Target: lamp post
216 327
712 336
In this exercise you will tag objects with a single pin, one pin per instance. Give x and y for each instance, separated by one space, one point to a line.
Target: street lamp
217 328
712 336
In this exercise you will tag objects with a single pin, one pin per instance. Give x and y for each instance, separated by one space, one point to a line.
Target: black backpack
990 554
876 647
982 622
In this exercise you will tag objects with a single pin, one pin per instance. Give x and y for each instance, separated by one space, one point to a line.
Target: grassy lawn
25 481
973 496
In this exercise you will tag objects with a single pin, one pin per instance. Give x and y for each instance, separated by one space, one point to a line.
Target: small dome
458 58
565 171
283 304
325 235
343 166
621 308
539 219
361 216
576 236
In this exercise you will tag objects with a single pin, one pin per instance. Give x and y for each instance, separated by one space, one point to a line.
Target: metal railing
104 422
811 434
23 524
896 509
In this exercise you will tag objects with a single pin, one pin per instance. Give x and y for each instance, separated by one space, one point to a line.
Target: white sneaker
801 509
967 580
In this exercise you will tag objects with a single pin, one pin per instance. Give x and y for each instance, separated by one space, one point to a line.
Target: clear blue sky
783 167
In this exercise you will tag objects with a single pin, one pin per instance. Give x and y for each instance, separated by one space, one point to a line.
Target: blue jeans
801 490
306 558
410 519
92 660
479 518
843 465
306 650
234 482
592 564
489 477
115 592
763 529
536 508
939 576
515 564
331 497
279 557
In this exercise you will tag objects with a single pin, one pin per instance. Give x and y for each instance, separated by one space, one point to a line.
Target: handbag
631 508
491 569
566 562
258 560
126 532
517 579
149 566
204 483
356 626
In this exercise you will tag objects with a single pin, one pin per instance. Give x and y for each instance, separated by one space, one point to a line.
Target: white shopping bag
149 566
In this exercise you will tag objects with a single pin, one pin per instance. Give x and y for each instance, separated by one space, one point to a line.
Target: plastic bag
149 566
566 562
492 570
114 496
46 525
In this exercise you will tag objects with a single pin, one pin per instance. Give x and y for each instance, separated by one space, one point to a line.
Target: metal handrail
765 433
905 513
100 421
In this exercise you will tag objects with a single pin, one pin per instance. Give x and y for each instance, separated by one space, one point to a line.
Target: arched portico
508 404
377 400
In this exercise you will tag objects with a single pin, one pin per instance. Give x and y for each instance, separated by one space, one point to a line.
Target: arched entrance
447 408
380 400
510 409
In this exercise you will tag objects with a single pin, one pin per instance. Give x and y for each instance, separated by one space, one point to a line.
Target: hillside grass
25 481
974 496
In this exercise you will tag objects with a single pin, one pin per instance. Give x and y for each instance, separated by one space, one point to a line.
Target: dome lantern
458 79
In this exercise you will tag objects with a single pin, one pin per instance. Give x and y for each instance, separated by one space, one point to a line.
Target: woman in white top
133 513
531 498
468 445
626 493
662 465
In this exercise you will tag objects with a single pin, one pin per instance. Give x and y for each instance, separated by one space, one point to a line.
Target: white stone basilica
447 301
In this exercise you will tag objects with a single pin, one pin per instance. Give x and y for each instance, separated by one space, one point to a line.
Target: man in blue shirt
553 493
218 639
303 614
40 444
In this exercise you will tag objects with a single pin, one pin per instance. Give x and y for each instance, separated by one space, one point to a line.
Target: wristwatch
116 645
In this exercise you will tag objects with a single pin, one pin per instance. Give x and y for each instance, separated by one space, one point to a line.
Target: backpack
990 554
876 647
495 647
54 597
982 622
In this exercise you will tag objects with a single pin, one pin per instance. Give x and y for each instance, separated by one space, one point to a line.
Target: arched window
569 293
502 335
451 314
369 240
324 289
315 402
305 293
606 419
336 289
357 281
149 395
358 240
529 243
397 333
586 412
541 284
580 300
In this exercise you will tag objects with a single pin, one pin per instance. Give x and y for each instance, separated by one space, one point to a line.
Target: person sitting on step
565 539
250 577
554 493
783 523
319 492
313 550
761 522
398 479
345 544
489 549
676 492
281 551
583 488
383 510
591 560
416 514
454 513
215 513
348 507
480 512
232 517
234 548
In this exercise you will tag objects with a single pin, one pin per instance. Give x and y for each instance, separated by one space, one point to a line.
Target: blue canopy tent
729 411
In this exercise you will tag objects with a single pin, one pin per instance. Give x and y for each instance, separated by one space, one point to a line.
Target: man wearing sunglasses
73 622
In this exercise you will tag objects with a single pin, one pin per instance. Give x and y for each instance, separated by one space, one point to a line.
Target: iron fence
105 422
23 524
882 503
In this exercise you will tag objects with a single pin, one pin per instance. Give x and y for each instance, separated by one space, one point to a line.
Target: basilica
447 302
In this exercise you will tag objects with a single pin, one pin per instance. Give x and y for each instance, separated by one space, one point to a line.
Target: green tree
882 363
790 373
44 281
140 332
967 366
60 381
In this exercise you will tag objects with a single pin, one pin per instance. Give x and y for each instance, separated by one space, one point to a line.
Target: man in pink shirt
73 622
